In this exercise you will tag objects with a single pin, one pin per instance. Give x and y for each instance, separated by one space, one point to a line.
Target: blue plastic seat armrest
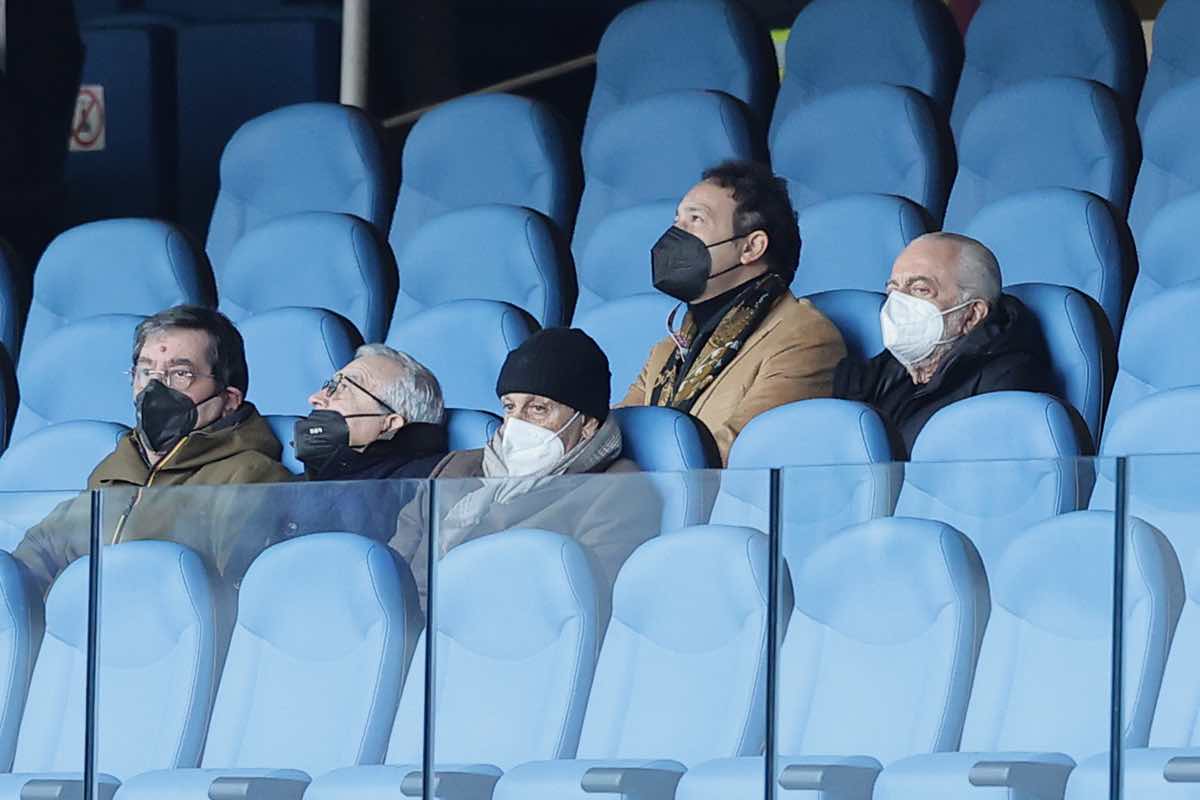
840 780
68 788
1035 778
1181 769
467 783
260 787
632 783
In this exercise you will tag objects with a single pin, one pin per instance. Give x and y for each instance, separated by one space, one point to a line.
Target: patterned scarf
689 372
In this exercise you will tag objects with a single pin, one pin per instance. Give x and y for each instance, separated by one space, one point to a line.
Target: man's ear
392 423
589 428
755 246
233 399
976 313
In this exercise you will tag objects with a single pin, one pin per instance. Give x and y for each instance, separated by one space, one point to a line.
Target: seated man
540 470
949 333
746 344
194 427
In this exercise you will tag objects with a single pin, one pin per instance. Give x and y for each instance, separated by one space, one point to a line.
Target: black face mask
680 263
322 435
164 415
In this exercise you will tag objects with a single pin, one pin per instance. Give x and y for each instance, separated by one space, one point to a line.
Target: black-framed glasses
332 385
177 378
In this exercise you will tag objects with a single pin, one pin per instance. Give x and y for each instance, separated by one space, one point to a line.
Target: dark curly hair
762 204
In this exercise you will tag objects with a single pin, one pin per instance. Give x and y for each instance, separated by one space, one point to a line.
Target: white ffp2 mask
528 449
912 327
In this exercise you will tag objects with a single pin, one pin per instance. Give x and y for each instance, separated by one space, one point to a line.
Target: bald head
947 269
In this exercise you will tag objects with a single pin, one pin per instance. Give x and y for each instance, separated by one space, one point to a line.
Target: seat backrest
836 43
317 259
1017 40
468 375
635 154
325 628
115 266
97 385
1083 355
714 44
518 632
284 426
305 157
469 428
855 312
58 457
835 145
627 329
989 480
1063 236
492 148
291 352
881 644
616 261
682 668
21 628
1166 250
159 660
841 471
850 242
504 253
1175 722
1170 165
1173 57
1046 132
1043 680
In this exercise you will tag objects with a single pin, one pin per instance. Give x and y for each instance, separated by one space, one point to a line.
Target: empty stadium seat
680 672
855 312
872 668
284 426
97 386
162 629
504 253
637 154
291 352
867 138
468 375
850 242
1173 58
1061 236
1047 132
316 259
714 44
1041 696
1170 160
616 261
325 629
1009 42
21 627
1167 250
494 148
119 266
837 43
627 330
989 480
1083 356
469 428
518 632
306 157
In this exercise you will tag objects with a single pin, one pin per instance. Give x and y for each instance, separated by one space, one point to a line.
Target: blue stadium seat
1042 689
1017 40
1046 132
229 72
518 632
1083 355
306 157
837 43
850 242
626 330
1167 250
325 629
872 669
283 426
495 252
291 352
1170 162
636 155
681 671
989 480
98 350
21 627
14 303
315 259
119 266
616 261
855 312
495 148
1173 58
467 374
1062 236
161 641
135 65
869 138
469 428
714 44
842 473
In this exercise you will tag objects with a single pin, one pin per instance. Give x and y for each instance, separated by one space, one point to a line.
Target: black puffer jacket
1005 353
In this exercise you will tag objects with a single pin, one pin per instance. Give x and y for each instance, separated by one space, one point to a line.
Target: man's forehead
934 260
175 344
709 196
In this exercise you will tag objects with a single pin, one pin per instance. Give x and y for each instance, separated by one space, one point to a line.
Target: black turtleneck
412 453
707 312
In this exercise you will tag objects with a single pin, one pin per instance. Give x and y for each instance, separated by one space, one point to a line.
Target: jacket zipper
137 496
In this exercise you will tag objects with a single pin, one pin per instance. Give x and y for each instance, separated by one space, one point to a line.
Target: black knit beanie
564 364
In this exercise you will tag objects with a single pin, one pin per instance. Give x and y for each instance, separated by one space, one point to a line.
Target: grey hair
414 393
978 269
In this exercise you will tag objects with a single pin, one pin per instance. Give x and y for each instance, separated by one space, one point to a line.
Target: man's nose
317 399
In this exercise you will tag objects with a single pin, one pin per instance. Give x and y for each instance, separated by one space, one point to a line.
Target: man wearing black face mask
189 380
745 344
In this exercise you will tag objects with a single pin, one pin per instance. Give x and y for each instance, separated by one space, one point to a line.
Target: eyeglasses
177 378
332 385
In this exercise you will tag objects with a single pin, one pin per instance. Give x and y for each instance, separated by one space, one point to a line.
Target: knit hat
564 364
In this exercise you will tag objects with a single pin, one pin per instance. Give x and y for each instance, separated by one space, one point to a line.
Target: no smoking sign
90 121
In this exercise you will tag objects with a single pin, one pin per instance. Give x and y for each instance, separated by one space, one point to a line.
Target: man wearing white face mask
949 334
